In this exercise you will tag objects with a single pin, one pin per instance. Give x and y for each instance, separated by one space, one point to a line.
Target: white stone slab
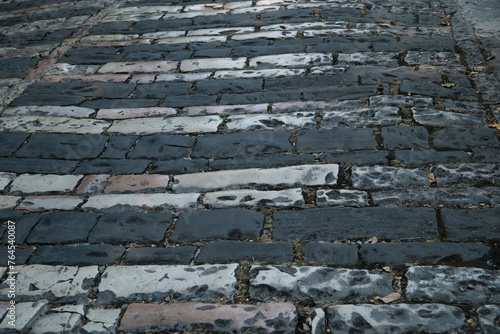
57 323
271 122
131 202
8 202
153 125
220 31
164 34
186 77
266 73
254 198
160 283
26 314
361 118
311 175
52 124
265 34
433 58
79 309
47 203
5 179
368 58
302 26
251 10
108 38
344 197
189 65
53 111
226 109
292 59
140 67
61 283
192 39
125 113
38 183
440 118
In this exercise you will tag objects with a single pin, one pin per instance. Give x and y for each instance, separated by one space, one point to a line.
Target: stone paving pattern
269 166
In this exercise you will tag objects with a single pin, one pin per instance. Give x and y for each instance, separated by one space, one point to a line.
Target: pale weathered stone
189 65
132 202
25 315
405 318
187 77
255 198
139 67
433 58
303 26
331 197
384 177
311 175
69 69
53 124
57 323
361 118
369 58
135 113
265 73
318 284
164 34
292 60
295 106
318 322
192 39
38 183
47 203
158 283
400 100
55 283
271 122
153 125
5 179
79 309
238 318
265 34
225 110
453 285
101 320
220 31
439 118
55 111
489 316
8 202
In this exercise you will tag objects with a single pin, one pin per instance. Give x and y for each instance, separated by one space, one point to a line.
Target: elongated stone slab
154 125
369 58
406 318
400 100
468 174
140 67
47 203
317 284
345 197
270 122
254 198
240 318
132 202
52 124
440 118
190 65
292 60
50 111
38 183
25 315
453 285
265 73
134 113
361 118
5 179
160 283
312 175
54 283
384 177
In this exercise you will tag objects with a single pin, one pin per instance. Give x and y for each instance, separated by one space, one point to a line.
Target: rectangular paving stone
331 254
191 65
312 175
48 203
162 147
405 137
113 166
137 183
335 224
44 183
160 90
120 103
109 90
160 283
57 322
368 58
48 100
21 255
254 198
259 97
263 73
400 100
24 224
270 122
79 255
53 124
238 318
124 113
161 256
143 126
55 283
341 93
134 202
488 315
405 318
467 174
241 144
440 118
180 166
5 179
225 110
26 314
357 158
467 107
11 141
63 146
317 284
417 158
261 162
217 224
130 227
385 177
229 251
342 139
445 284
54 111
139 67
291 60
229 86
344 197
118 147
468 225
361 118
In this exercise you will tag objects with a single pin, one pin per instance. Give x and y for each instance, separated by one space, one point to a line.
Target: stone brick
483 155
402 137
264 73
162 147
54 283
139 67
38 183
26 314
133 202
80 255
115 166
435 90
120 103
48 100
291 60
368 58
401 101
23 226
241 144
268 317
467 107
10 142
218 224
54 111
335 139
182 101
180 166
229 86
254 198
145 126
415 158
88 56
488 318
5 179
160 90
405 254
131 227
108 90
259 97
357 158
384 116
62 227
190 65
336 224
57 323
261 162
433 58
468 174
160 283
54 124
312 175
439 118
137 183
406 318
48 203
468 225
384 177
93 184
344 197
453 285
331 254
123 113
225 110
317 284
160 256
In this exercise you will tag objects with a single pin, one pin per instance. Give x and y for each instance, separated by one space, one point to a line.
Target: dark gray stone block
435 90
342 139
469 225
456 139
160 256
232 86
402 137
182 101
365 158
261 162
79 255
120 166
118 147
261 97
48 100
218 224
130 227
10 142
487 155
162 147
235 251
21 256
88 56
177 167
489 316
161 89
335 224
23 226
469 174
331 254
120 103
413 158
110 90
341 93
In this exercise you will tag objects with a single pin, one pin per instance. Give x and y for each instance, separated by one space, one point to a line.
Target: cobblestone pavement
263 166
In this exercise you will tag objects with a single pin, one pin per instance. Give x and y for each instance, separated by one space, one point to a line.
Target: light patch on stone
154 125
26 314
140 67
54 111
5 179
265 73
440 118
220 31
254 198
361 118
384 177
132 202
292 59
333 197
53 124
271 122
47 203
57 323
44 183
190 65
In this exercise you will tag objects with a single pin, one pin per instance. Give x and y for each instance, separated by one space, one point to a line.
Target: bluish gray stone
228 251
162 147
468 225
468 174
414 158
342 139
331 254
456 139
384 177
10 142
157 255
79 255
489 318
404 137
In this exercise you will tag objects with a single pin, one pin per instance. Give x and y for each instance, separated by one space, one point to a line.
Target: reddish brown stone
93 184
137 183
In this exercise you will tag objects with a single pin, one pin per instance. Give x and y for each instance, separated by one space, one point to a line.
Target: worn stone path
269 166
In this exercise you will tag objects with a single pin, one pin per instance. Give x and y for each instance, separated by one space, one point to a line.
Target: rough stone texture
57 323
37 183
254 198
160 283
331 254
414 158
218 224
361 118
151 125
264 318
48 203
341 139
468 174
455 139
439 118
466 225
270 122
163 256
317 284
333 224
228 251
334 197
399 137
488 318
79 255
383 177
26 314
453 285
101 320
133 202
54 283
403 318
